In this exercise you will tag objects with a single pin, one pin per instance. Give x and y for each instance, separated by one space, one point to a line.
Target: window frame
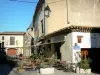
42 26
2 37
12 41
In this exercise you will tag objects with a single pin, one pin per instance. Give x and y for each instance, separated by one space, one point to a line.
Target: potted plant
85 66
20 64
20 68
34 59
46 66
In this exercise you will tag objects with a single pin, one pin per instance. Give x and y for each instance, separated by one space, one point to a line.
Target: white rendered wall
85 43
18 42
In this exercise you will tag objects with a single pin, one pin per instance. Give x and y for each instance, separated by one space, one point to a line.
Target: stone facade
59 35
13 40
29 41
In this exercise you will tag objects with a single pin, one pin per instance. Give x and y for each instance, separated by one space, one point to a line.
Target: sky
15 15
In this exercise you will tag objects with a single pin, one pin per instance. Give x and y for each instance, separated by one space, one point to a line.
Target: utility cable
23 1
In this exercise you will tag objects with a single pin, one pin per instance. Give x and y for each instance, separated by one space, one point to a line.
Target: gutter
44 16
67 8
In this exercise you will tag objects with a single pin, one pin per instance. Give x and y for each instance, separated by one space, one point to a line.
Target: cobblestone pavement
57 72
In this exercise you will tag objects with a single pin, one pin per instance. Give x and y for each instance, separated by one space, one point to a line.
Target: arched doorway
11 51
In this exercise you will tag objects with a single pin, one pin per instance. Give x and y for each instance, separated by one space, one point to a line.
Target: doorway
57 50
94 55
11 52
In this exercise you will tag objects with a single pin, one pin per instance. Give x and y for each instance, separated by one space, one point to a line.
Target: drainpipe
67 8
44 16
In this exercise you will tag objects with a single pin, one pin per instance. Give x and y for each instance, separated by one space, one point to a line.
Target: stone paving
5 69
57 72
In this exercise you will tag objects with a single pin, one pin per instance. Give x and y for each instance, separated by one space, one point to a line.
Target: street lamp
47 11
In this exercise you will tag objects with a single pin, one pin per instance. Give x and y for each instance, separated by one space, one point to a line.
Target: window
42 25
2 37
12 40
79 38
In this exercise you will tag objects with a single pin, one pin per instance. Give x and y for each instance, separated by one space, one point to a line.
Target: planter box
21 70
47 70
88 71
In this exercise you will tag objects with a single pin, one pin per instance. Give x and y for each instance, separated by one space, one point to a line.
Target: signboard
76 47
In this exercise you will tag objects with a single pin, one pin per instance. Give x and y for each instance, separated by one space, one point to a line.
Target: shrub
84 63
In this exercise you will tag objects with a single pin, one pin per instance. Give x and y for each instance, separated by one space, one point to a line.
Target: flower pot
82 70
88 71
21 70
33 65
77 70
47 70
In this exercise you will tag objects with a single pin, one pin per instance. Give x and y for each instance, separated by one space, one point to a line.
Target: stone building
29 40
67 27
13 42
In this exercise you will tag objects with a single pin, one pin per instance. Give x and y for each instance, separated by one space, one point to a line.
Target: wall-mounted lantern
47 11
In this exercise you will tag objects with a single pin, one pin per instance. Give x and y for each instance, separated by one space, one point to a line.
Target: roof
73 28
38 6
12 33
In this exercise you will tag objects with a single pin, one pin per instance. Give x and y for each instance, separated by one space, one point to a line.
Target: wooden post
3 45
0 46
2 52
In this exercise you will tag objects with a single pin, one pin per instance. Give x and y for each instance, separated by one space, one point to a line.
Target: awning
52 42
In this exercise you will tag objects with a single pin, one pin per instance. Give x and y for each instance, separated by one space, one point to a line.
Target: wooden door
84 54
11 52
